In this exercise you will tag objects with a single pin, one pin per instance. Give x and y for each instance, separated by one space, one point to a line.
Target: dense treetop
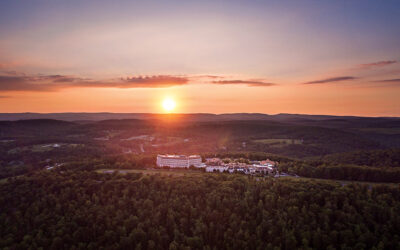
88 210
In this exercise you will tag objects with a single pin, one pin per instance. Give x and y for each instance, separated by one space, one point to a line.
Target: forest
53 194
88 210
362 165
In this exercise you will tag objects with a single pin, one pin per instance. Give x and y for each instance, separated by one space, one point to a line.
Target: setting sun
169 104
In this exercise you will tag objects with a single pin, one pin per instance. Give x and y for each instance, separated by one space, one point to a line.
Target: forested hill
278 137
373 158
295 118
35 127
87 210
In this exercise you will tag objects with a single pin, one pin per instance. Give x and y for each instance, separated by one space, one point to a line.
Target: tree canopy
89 210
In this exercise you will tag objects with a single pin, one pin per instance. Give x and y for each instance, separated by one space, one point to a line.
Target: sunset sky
310 57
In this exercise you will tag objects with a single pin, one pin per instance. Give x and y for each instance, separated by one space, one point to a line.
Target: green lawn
278 142
41 148
171 172
341 182
35 148
387 131
181 172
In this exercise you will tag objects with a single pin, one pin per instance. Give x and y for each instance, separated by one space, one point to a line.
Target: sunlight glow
168 104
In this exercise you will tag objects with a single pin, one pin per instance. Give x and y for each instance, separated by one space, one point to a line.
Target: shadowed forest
87 210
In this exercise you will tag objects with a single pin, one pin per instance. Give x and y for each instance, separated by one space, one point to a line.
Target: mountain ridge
98 116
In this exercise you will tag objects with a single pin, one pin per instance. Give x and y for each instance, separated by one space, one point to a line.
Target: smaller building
263 169
214 161
216 169
269 163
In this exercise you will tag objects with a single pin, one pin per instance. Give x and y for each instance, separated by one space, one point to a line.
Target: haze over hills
317 135
70 116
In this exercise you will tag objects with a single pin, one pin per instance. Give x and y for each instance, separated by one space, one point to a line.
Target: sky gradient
310 57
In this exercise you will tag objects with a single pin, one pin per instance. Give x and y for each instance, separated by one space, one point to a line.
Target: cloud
57 82
250 83
205 78
4 96
376 64
18 83
14 81
211 76
9 72
333 79
152 81
391 80
36 83
157 81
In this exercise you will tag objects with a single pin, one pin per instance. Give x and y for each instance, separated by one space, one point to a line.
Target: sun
169 104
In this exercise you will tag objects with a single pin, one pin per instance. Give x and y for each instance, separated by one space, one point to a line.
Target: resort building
179 161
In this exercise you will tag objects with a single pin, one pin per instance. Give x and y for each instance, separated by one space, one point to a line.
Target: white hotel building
179 161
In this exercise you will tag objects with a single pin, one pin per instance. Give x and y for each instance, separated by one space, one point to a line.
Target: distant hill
72 116
34 126
316 135
296 118
42 123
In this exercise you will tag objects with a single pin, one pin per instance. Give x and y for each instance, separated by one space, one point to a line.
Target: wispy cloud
57 82
14 81
4 96
209 76
376 64
157 81
152 81
37 83
250 83
394 80
18 83
332 79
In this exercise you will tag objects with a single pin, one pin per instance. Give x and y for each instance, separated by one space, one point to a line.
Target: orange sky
198 98
210 56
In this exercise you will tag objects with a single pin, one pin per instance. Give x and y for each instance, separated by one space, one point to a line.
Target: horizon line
197 113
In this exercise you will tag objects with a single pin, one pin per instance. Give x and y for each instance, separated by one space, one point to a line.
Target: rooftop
178 156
